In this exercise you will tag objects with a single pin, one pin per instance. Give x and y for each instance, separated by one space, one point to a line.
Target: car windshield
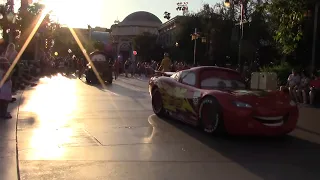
221 79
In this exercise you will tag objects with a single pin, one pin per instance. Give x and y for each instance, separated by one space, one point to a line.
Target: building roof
100 36
141 18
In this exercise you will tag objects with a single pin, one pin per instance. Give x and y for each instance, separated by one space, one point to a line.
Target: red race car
217 100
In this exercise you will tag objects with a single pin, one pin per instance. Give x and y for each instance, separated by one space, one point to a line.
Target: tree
286 19
215 28
145 45
26 21
5 25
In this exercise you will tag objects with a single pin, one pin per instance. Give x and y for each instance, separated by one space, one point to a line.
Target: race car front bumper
246 121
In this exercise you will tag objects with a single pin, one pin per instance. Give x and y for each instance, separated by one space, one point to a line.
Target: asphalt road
70 130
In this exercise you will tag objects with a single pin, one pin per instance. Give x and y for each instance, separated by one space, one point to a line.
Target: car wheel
211 116
157 104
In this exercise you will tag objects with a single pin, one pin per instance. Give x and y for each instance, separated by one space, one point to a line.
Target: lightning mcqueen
217 100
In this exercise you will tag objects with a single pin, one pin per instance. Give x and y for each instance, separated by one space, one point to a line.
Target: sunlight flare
83 50
33 32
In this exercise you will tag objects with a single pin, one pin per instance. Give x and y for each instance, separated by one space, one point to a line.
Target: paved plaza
67 129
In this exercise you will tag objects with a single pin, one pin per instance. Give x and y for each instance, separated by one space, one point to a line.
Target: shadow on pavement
123 91
269 158
7 126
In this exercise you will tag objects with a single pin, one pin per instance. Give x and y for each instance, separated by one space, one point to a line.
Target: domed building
133 25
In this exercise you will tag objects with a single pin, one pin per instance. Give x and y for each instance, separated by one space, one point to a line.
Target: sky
103 13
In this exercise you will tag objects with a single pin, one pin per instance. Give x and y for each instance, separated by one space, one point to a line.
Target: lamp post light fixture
177 44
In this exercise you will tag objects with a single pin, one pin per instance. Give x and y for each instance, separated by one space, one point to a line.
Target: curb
17 155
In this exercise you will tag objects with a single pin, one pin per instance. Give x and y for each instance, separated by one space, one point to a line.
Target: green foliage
4 24
26 21
214 27
145 45
287 18
282 70
98 46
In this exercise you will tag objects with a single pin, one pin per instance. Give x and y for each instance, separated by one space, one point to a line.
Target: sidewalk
8 144
309 120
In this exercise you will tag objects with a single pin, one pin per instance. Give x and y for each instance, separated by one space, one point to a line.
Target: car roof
201 68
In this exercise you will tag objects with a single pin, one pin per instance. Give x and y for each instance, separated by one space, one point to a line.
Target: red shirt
315 83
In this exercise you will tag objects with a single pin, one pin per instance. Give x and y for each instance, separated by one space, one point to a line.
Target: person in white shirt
303 88
293 84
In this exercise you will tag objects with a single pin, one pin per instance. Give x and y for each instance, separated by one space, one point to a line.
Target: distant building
133 25
168 32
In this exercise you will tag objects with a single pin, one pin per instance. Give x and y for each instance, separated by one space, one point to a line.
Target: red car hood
260 98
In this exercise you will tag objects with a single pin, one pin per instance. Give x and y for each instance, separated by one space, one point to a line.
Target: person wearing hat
166 63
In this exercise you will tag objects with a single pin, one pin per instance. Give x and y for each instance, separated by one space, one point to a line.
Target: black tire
157 103
110 81
211 121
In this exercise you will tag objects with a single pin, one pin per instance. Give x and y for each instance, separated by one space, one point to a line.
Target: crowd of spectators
18 78
304 88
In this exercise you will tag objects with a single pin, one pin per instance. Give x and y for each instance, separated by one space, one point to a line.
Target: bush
282 70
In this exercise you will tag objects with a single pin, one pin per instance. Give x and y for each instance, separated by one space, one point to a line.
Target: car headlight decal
242 104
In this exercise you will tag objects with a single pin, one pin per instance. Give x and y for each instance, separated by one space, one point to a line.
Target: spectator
165 65
303 88
314 89
126 67
293 84
10 55
116 68
5 89
133 67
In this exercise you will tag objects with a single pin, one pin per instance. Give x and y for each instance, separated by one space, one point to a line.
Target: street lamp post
315 29
228 3
195 36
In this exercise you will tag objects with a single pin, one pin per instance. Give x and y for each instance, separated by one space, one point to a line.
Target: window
218 83
221 79
188 78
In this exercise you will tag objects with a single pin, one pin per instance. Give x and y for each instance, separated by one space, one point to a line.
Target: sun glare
74 13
